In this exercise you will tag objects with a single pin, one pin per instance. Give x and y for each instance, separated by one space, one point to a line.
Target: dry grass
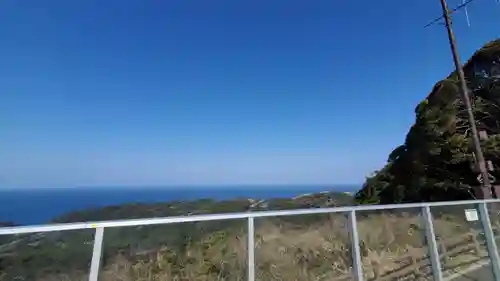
284 253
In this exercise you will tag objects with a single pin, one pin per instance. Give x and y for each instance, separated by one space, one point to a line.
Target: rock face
433 164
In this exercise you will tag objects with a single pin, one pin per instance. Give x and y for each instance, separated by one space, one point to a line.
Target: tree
433 164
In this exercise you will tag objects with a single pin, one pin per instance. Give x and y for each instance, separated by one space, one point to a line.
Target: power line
466 13
464 5
461 6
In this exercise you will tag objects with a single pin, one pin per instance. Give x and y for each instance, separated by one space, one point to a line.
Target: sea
40 205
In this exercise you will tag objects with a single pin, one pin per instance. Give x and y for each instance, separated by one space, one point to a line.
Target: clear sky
129 92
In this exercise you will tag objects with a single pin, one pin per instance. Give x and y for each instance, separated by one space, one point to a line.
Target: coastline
42 205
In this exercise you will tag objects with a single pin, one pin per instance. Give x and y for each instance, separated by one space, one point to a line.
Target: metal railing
357 271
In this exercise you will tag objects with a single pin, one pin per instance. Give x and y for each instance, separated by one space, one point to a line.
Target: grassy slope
314 247
54 253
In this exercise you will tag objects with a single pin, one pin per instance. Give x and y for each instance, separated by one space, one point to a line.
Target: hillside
307 247
206 206
40 254
433 164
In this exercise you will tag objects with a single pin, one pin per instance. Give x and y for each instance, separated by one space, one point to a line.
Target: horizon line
176 186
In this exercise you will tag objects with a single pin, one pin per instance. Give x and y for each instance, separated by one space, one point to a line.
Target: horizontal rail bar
228 216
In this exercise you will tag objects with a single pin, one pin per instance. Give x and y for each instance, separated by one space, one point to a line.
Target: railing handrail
227 216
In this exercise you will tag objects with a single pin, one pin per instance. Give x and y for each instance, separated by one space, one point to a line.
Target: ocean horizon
40 205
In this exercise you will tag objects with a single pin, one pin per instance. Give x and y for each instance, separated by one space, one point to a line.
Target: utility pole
479 156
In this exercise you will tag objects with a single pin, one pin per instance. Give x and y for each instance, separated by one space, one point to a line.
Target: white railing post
490 239
251 250
96 254
430 237
356 251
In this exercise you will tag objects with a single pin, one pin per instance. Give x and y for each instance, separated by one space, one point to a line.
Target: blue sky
215 92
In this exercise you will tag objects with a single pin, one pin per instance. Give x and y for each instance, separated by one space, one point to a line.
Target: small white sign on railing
471 215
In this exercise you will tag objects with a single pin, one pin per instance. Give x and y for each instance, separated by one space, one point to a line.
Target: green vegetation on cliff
433 164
